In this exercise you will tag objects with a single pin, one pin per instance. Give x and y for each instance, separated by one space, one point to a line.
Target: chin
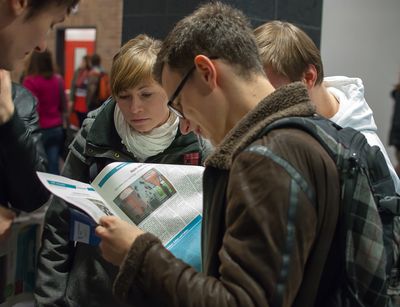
140 128
143 129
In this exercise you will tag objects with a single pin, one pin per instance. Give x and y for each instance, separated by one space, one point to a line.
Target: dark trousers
53 139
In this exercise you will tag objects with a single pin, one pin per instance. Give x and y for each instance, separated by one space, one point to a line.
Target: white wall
361 38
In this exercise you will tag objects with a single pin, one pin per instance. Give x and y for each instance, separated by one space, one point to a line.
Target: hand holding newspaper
163 199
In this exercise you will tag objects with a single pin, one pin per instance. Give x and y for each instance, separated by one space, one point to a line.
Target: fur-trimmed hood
289 100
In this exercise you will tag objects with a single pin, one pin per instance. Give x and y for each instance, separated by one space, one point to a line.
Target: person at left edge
25 106
24 25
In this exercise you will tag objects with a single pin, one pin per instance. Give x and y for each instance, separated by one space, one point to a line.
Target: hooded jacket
266 233
355 112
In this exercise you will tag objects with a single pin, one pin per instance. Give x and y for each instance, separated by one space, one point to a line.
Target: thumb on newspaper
117 236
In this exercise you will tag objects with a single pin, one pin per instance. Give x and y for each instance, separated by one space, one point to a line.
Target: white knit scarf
144 145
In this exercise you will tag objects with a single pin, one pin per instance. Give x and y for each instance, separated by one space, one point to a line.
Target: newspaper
163 199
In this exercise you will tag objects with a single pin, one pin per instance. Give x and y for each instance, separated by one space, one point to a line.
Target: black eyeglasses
179 88
177 91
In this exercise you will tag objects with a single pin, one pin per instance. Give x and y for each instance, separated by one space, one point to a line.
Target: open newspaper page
81 195
163 199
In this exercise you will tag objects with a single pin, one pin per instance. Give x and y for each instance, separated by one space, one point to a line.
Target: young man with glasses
270 201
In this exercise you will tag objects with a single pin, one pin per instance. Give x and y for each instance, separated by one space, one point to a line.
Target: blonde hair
133 63
287 50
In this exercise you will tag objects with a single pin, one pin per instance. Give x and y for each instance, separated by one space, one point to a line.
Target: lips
139 120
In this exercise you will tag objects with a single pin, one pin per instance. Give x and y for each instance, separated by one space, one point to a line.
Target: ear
18 7
207 70
184 126
310 76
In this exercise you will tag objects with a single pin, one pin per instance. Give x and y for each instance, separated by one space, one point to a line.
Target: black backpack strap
326 133
311 125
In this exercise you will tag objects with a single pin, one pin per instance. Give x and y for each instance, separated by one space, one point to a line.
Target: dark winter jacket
21 155
268 224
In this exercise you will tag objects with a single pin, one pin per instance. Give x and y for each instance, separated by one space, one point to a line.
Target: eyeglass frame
177 92
179 89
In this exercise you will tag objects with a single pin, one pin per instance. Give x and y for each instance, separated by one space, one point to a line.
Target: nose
184 126
135 106
42 45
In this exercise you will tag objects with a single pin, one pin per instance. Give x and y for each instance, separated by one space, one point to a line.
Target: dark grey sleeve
57 252
22 154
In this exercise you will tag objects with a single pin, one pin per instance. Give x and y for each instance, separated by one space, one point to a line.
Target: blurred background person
49 90
394 137
79 86
98 85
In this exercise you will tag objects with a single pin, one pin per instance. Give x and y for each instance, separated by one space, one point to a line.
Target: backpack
368 230
99 89
104 88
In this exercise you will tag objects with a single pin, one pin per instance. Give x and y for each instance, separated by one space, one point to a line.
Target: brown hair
288 50
87 61
35 6
95 60
41 63
133 63
215 30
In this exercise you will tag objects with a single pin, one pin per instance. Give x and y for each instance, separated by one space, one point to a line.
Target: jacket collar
102 132
289 100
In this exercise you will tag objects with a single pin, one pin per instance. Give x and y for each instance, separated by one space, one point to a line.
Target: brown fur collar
289 100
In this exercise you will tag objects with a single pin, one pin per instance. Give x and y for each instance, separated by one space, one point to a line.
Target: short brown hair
215 30
133 63
96 60
288 50
41 63
36 6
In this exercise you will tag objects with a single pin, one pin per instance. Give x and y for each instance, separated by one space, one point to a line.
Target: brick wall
105 16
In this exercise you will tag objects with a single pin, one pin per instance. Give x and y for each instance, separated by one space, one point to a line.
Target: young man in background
288 54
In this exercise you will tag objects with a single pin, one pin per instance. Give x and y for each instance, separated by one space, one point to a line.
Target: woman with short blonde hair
134 125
